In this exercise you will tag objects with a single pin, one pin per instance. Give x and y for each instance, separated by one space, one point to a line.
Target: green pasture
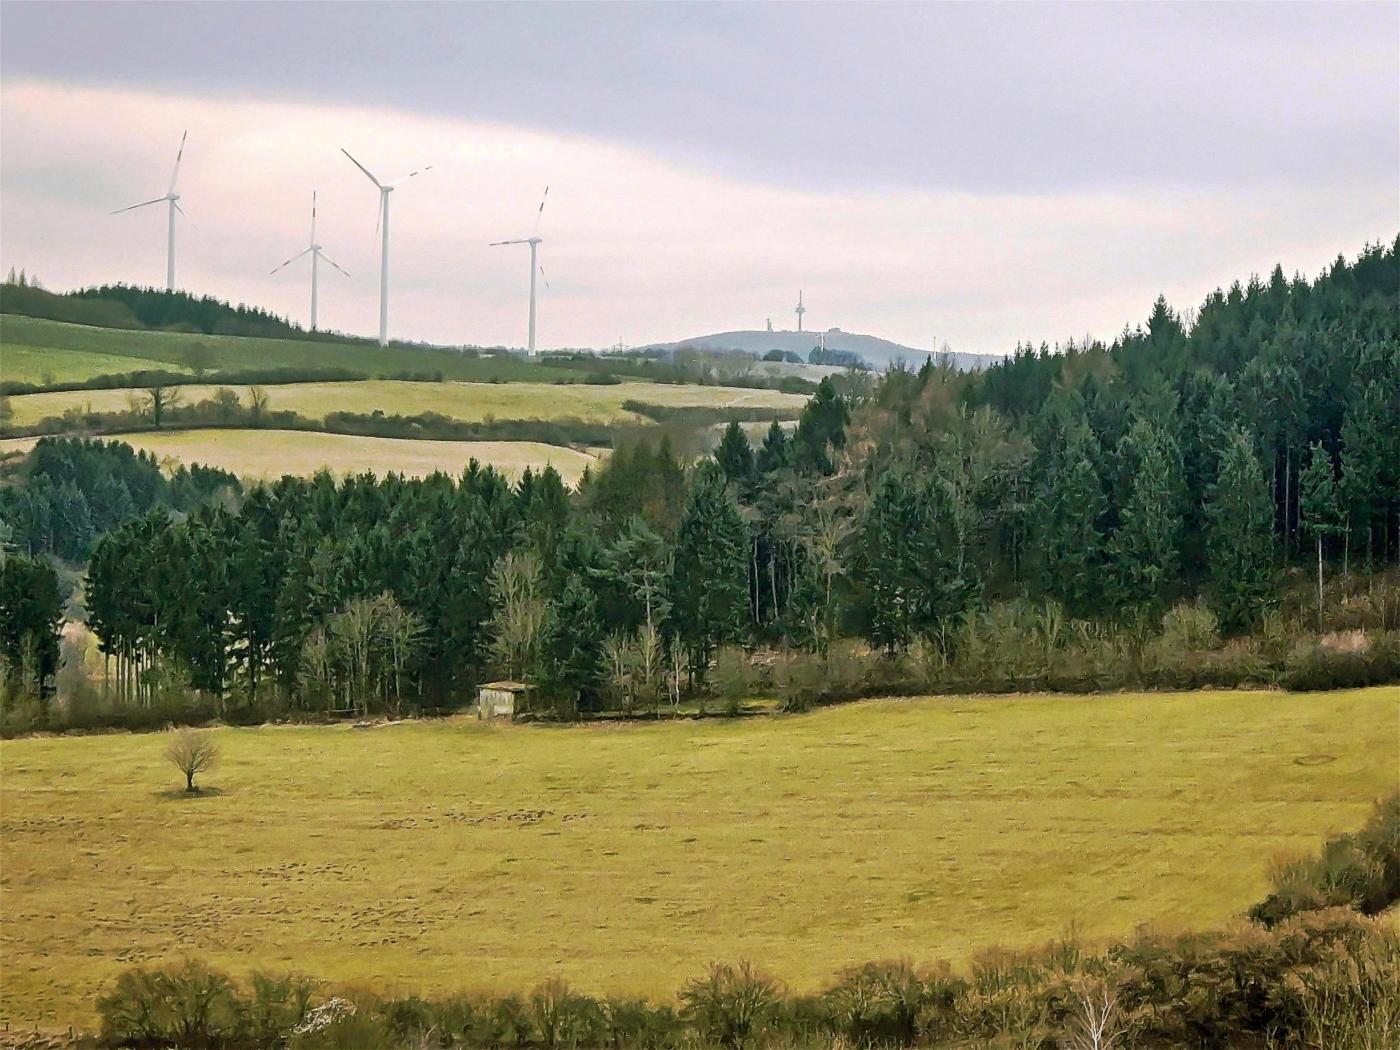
55 341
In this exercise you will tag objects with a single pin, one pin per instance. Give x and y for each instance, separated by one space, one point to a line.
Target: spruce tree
735 457
821 429
1144 546
31 609
776 452
1319 506
906 562
1239 535
1069 513
571 647
709 570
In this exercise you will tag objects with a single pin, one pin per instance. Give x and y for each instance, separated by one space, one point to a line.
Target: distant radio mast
800 310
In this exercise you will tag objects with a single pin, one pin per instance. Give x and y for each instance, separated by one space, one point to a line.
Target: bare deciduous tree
257 403
192 753
160 400
518 593
1097 1024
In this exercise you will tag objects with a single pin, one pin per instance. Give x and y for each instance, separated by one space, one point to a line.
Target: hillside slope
878 353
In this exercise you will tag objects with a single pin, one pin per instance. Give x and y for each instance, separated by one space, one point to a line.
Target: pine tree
1318 506
1239 535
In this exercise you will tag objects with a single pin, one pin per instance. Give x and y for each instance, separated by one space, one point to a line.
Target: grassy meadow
434 856
471 402
29 364
49 345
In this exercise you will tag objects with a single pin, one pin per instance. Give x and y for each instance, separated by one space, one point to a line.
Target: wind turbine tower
385 188
534 241
316 256
172 199
800 310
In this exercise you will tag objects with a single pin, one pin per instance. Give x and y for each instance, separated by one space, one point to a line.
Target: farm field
53 341
433 856
28 364
272 453
472 402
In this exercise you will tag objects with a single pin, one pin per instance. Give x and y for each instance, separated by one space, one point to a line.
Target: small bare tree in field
192 753
257 403
160 401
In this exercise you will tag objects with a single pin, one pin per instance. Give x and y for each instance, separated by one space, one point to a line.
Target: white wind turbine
534 241
316 256
173 200
385 188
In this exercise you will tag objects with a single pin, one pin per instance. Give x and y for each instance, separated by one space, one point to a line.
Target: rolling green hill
32 347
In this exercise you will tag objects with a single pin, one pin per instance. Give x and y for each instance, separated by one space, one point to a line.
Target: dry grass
272 453
473 402
436 856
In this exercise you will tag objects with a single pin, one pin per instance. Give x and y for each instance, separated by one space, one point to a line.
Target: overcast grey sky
975 172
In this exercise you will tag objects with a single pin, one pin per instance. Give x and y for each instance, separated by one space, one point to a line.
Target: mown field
472 402
272 453
443 855
49 345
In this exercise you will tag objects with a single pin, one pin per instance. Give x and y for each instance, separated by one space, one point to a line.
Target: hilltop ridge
876 352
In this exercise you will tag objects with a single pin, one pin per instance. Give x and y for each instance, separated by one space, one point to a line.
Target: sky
975 174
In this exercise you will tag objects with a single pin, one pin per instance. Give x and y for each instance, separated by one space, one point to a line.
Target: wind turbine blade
497 244
181 210
133 207
293 259
540 213
332 262
411 174
546 279
313 216
362 168
175 173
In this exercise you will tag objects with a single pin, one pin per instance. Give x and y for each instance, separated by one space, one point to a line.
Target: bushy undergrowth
1358 870
1329 971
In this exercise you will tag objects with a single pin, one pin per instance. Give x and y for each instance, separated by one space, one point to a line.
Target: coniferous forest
1228 473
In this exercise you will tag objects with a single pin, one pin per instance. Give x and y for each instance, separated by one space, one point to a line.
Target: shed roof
510 687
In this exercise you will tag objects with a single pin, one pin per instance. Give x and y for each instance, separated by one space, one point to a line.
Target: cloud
639 246
980 98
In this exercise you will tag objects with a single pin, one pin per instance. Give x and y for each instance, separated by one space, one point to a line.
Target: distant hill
876 352
153 309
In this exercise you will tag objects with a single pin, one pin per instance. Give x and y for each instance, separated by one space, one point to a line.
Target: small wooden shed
501 699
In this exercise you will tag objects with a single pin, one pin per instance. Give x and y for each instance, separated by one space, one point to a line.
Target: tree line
1197 459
